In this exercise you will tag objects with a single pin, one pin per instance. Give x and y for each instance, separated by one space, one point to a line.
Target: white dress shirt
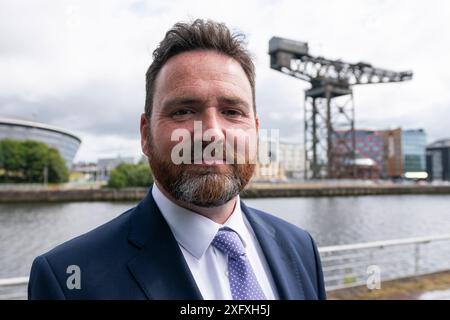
208 265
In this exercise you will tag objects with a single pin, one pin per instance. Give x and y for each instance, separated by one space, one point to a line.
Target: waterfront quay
20 194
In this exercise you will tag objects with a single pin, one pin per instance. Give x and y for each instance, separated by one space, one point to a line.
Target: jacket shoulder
96 240
99 256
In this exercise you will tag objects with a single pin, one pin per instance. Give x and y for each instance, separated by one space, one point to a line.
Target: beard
204 186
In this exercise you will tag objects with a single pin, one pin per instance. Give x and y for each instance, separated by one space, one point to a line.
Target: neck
219 214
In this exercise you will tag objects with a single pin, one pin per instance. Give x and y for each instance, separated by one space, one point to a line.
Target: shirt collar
193 231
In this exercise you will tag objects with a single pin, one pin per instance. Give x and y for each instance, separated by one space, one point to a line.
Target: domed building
65 142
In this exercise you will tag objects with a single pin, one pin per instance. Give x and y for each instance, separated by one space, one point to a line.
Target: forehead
196 72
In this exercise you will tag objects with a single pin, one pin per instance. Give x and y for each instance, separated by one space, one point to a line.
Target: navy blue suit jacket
135 256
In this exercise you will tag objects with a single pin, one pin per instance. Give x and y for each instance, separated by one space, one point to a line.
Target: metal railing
346 266
13 288
13 281
351 265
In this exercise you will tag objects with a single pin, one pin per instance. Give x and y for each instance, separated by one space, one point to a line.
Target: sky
80 65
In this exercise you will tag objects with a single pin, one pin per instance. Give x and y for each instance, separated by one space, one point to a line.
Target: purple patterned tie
243 283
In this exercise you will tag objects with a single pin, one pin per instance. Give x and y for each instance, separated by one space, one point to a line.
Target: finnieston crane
329 123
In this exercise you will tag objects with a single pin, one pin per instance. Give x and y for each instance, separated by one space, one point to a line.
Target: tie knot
228 241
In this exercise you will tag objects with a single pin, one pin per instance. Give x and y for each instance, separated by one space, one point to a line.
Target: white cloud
108 146
81 64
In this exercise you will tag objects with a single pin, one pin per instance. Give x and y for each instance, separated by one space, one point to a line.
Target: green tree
130 175
118 177
24 161
12 156
57 170
36 159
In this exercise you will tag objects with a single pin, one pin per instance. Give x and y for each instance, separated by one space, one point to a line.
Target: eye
232 113
182 113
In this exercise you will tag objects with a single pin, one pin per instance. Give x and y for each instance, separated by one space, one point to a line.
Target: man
191 237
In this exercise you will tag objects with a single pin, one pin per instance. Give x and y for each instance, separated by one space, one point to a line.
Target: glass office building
438 160
65 142
414 144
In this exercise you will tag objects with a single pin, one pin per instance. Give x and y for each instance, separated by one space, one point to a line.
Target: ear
144 128
257 123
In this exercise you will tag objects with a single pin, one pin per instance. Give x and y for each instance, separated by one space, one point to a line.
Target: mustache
219 152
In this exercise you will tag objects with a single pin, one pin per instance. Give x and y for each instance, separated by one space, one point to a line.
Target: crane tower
329 111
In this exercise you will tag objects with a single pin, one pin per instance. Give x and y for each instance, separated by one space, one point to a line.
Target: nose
212 125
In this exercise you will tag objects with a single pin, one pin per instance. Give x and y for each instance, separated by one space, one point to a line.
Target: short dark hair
198 35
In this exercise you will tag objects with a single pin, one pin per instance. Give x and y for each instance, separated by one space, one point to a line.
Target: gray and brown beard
200 185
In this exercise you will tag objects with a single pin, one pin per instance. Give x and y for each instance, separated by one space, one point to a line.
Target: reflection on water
27 230
344 220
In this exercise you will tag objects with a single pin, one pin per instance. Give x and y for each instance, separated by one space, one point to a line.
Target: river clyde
30 229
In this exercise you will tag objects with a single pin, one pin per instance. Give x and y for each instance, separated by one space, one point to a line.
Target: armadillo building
65 142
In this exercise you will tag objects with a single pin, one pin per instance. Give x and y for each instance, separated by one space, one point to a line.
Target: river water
27 230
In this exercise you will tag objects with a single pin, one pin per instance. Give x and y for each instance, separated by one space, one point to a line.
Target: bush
130 175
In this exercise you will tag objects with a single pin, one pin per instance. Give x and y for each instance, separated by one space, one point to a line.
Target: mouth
212 162
208 162
209 167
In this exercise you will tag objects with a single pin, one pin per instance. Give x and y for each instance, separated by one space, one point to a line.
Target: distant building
364 168
65 142
268 172
370 145
268 166
292 159
97 172
369 153
85 172
414 144
106 165
393 155
438 160
396 153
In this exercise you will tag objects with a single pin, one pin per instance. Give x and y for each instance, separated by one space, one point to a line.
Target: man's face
212 90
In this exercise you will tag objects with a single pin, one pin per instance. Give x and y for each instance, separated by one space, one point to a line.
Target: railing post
416 257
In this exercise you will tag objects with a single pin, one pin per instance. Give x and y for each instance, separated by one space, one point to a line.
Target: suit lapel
159 267
276 251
